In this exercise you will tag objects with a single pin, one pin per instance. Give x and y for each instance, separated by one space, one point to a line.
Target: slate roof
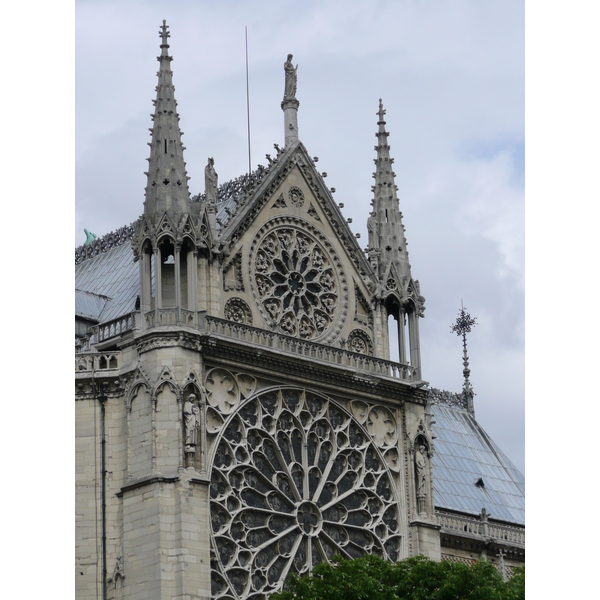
465 453
112 275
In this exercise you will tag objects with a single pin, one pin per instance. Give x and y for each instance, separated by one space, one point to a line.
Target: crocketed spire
167 187
387 242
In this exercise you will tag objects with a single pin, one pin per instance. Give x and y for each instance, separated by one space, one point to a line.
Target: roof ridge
103 244
438 396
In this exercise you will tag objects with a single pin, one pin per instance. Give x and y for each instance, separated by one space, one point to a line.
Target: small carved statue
191 415
291 79
211 182
421 478
373 234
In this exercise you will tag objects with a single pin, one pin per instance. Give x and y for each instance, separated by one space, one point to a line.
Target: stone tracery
295 479
299 284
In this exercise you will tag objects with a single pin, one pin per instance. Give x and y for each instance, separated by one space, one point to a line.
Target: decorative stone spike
385 221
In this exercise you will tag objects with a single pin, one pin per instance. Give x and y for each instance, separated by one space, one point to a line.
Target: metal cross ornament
464 324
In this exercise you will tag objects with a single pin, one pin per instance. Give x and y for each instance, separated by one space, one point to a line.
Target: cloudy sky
451 76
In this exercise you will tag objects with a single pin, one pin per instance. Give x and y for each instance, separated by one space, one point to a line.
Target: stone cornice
332 378
164 337
271 362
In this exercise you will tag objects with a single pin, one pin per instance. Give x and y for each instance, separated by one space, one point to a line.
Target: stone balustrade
509 534
476 527
315 351
97 361
117 326
459 523
256 337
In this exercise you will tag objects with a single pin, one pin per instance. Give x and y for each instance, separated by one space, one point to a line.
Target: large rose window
297 282
295 480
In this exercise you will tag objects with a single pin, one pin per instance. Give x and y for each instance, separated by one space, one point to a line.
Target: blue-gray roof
464 453
111 274
89 305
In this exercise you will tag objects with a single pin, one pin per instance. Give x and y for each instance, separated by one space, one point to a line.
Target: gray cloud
451 75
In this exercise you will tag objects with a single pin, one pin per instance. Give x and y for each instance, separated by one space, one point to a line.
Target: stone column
402 336
157 285
415 349
290 121
192 277
178 283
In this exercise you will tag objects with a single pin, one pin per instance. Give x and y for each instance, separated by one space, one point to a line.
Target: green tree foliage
418 578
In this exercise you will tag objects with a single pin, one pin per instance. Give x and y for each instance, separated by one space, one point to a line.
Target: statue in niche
421 479
211 182
191 415
291 79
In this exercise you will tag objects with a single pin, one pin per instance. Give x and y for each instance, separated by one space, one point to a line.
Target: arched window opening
393 337
167 271
147 295
400 338
184 275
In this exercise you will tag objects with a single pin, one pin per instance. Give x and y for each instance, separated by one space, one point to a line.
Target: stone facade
248 414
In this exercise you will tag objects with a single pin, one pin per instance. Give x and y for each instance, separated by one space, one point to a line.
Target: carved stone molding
232 274
296 196
313 213
167 340
395 393
237 310
360 341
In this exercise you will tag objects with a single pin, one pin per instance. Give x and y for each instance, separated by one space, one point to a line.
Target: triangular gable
297 157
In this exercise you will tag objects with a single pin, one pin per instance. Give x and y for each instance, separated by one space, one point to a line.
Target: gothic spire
463 325
387 242
167 187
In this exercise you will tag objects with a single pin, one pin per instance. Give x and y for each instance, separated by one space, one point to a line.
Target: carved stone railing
97 361
116 327
168 316
509 534
312 350
473 526
466 525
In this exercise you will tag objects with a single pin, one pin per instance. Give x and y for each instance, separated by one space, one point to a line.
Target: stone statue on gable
291 79
211 182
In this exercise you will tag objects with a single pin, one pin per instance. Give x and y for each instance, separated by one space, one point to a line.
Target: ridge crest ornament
295 479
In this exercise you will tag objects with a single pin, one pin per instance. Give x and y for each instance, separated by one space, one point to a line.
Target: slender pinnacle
463 325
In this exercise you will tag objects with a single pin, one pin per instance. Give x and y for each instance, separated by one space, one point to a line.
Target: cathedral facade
238 417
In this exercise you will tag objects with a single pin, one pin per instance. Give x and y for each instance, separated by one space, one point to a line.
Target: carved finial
164 33
463 325
381 112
